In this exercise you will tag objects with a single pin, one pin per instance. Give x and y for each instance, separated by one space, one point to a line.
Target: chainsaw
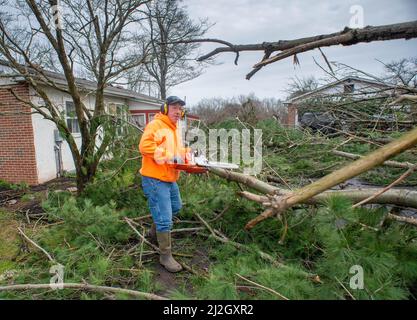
199 164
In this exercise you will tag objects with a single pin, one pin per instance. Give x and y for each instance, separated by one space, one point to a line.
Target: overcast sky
255 21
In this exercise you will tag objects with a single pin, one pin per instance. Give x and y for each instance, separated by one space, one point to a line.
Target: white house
31 149
355 87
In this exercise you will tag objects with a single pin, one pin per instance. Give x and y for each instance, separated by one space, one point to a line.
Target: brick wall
291 115
17 149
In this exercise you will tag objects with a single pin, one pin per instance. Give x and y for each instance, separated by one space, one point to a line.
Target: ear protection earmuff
164 108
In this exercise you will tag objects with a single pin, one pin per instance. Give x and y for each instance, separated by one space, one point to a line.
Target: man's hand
177 160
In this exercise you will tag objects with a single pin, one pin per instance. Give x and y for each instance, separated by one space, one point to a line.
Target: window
193 123
121 113
349 88
139 119
71 117
151 116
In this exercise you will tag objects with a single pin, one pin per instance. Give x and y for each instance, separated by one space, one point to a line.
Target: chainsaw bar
223 165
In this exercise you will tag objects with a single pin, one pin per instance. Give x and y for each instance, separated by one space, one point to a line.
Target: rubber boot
165 258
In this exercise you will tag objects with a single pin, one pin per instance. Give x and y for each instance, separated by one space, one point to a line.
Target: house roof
349 79
59 79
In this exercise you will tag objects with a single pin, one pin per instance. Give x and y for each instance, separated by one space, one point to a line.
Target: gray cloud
254 21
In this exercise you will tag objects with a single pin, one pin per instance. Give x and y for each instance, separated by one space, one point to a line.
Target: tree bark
400 197
346 37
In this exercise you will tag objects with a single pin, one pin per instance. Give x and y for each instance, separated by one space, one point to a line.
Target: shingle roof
60 79
345 79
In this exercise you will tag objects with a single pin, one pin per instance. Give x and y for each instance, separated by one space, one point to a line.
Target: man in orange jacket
161 147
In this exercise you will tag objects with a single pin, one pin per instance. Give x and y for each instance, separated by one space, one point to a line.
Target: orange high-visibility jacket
160 142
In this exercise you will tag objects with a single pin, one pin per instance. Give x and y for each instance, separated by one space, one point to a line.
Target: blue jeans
164 201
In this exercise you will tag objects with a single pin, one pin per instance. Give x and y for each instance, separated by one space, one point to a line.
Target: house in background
142 117
356 87
31 150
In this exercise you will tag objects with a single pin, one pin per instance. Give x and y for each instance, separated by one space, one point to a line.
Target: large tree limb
346 37
349 37
399 197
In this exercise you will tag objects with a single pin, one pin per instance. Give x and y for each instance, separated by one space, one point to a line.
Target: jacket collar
164 118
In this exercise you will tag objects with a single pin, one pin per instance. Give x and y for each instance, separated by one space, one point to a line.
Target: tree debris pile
313 251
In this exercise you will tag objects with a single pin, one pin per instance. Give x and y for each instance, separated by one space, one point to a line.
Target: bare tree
248 108
298 86
402 72
170 63
74 37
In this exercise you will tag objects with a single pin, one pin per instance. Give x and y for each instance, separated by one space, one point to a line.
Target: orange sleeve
152 145
147 144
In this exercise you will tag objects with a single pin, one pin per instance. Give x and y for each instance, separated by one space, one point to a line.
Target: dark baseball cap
174 100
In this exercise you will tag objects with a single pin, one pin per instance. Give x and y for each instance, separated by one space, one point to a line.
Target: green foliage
348 237
13 186
9 242
85 219
326 242
82 243
92 241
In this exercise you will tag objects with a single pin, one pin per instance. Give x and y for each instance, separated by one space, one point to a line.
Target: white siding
43 131
138 105
44 139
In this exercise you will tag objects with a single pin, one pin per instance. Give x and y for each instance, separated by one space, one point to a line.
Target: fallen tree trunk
388 163
399 197
279 202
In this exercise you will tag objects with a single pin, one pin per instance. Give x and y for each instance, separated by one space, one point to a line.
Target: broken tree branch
374 196
282 200
83 286
404 97
263 287
267 257
36 245
237 245
346 37
402 219
400 197
349 171
129 222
